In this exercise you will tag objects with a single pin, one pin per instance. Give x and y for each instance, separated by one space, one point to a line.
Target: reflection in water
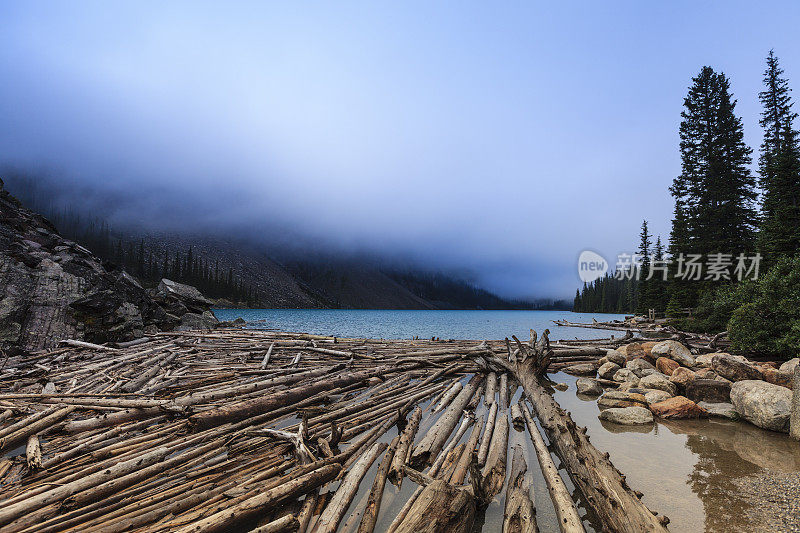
688 469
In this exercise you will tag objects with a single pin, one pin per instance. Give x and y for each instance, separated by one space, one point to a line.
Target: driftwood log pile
238 430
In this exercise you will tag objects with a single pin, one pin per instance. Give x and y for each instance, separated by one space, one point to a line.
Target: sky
498 139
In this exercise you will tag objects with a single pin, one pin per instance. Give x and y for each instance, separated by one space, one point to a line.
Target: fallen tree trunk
519 515
333 513
604 487
568 518
404 448
440 508
249 408
370 516
251 508
494 471
433 442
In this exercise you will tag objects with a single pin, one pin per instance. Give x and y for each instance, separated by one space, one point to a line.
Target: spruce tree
779 167
715 193
645 241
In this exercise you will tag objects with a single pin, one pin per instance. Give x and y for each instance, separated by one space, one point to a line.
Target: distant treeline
136 255
728 219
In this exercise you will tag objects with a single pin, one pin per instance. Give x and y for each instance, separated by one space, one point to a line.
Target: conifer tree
779 167
715 193
645 242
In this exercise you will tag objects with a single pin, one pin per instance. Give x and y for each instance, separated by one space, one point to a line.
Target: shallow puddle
690 470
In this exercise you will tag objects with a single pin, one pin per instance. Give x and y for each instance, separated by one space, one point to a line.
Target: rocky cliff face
52 288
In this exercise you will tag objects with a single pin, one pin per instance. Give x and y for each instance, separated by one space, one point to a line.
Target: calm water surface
404 324
690 470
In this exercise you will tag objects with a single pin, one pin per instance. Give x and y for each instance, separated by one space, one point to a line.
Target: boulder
617 357
589 386
790 365
608 370
720 410
708 390
705 373
654 396
678 407
625 375
658 381
616 398
762 404
777 377
561 386
582 369
629 416
675 351
704 360
190 321
631 351
733 369
666 366
682 376
648 347
640 367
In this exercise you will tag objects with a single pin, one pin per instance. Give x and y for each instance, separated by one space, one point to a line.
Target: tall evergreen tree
779 167
715 193
645 242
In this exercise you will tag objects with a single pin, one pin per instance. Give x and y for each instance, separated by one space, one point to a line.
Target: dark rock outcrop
185 303
52 288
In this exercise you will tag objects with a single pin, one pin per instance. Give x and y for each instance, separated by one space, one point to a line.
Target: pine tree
715 193
645 242
779 167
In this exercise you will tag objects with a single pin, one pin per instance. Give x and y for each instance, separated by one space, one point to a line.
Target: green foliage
769 321
779 166
715 193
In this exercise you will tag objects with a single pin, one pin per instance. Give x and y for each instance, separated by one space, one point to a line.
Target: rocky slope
52 288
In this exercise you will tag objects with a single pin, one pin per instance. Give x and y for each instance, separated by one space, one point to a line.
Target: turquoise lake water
405 324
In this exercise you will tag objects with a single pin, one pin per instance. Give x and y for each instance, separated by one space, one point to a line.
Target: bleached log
494 471
568 518
403 452
486 440
519 514
333 513
433 442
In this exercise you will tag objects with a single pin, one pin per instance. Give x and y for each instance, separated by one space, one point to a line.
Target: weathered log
491 388
285 523
440 508
251 508
404 448
516 417
448 396
33 453
503 391
616 504
333 513
370 516
568 518
483 450
519 514
494 471
433 442
10 513
27 428
265 361
462 467
249 408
